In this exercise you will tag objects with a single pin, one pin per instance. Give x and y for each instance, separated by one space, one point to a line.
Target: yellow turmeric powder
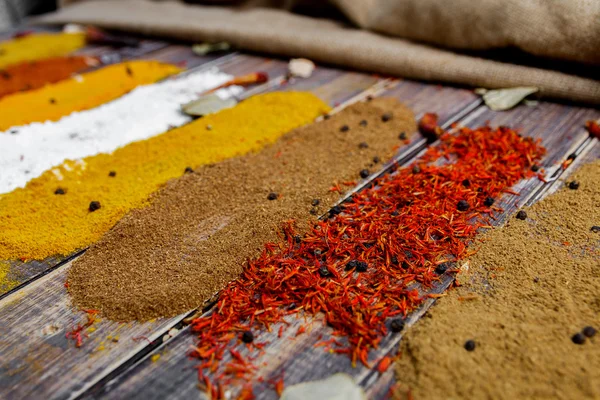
37 46
86 91
36 223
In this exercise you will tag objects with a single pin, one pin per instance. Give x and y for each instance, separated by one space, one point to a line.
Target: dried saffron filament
36 223
54 101
403 227
32 75
38 46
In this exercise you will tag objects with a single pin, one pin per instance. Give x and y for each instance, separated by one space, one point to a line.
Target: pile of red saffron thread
403 228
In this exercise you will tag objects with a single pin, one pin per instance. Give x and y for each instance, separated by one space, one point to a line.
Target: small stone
315 202
188 170
462 205
363 145
363 122
573 185
364 173
324 272
488 201
397 325
595 229
60 191
402 136
272 196
112 174
247 337
94 205
522 215
589 331
578 338
386 117
344 128
470 345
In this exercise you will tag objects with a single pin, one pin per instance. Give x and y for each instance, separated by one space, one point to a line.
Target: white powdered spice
27 151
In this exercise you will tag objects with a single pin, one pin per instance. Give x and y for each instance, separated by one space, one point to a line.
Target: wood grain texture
173 375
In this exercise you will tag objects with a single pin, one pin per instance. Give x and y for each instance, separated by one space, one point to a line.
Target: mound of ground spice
82 92
38 46
71 206
32 75
168 258
531 287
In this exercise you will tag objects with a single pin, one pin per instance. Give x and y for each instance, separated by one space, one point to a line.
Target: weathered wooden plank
75 369
173 375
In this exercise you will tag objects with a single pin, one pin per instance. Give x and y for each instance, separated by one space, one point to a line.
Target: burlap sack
279 32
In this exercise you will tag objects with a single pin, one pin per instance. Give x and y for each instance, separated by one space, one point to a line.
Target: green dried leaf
203 49
505 99
336 387
208 104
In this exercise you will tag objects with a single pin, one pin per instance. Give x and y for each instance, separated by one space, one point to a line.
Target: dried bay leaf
203 49
208 104
505 99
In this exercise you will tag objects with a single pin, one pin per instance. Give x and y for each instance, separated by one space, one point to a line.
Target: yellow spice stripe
90 90
36 223
38 46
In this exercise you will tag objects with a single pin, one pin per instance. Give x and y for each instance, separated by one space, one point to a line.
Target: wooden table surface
36 359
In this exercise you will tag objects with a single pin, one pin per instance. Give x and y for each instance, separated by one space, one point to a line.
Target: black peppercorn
595 229
272 196
188 170
578 338
363 145
386 117
335 210
466 183
324 272
462 205
369 98
440 269
394 260
52 100
351 265
112 174
535 168
361 266
589 331
573 185
488 201
297 239
247 337
405 265
522 215
314 211
344 128
364 173
326 116
376 160
363 122
395 213
470 345
94 205
60 191
402 136
397 325
315 202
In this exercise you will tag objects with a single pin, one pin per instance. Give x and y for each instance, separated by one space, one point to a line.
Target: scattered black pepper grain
488 201
397 325
442 268
313 211
573 185
326 116
13 131
351 265
94 205
315 202
247 337
416 169
363 122
376 160
578 338
344 128
128 70
462 205
369 98
188 170
60 191
535 168
466 183
470 345
595 229
324 272
402 136
386 117
272 196
394 260
522 215
363 145
297 239
395 213
361 266
589 331
405 265
112 174
335 210
364 173
52 100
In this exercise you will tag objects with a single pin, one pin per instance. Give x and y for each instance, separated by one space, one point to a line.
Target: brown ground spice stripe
175 254
530 303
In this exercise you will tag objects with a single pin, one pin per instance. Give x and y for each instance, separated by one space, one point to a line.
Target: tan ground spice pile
170 257
530 288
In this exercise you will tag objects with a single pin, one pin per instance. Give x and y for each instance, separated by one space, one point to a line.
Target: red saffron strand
361 267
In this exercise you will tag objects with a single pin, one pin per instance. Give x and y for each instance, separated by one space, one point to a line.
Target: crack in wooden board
61 378
173 376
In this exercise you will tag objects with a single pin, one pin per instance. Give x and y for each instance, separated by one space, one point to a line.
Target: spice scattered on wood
47 221
357 306
96 88
220 223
